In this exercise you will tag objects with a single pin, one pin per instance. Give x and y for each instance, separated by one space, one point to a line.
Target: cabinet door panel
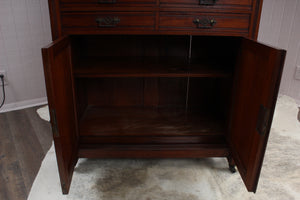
256 84
59 83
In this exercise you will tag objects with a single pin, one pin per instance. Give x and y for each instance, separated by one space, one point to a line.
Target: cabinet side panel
256 13
54 11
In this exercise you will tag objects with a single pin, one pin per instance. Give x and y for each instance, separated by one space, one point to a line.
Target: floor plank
41 129
24 141
12 185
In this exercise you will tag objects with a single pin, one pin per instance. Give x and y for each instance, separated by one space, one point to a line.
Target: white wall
24 29
280 26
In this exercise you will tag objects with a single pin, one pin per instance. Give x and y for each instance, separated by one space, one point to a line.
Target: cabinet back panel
215 50
81 96
115 91
202 94
209 95
128 45
136 91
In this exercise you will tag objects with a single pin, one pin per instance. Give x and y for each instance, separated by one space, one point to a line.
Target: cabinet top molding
155 17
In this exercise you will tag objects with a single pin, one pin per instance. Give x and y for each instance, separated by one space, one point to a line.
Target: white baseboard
23 104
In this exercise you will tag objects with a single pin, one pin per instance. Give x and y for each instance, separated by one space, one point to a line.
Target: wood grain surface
24 141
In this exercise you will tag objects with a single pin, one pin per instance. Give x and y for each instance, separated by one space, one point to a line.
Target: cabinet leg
231 164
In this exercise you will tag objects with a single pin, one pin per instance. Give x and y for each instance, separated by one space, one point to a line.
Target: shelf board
139 121
145 67
153 151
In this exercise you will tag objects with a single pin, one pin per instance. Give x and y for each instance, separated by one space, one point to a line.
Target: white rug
184 179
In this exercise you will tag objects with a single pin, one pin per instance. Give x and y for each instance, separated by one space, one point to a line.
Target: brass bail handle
204 23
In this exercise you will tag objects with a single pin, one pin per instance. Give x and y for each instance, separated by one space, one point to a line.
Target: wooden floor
24 140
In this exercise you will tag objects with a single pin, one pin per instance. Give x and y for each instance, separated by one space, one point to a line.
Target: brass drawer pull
106 22
204 23
207 2
106 1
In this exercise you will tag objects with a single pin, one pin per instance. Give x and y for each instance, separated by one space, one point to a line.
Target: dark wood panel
138 140
54 11
203 92
88 7
146 67
121 46
186 21
114 2
134 121
256 86
151 96
209 3
156 8
126 91
172 92
114 92
154 151
60 91
81 97
139 31
216 51
110 3
124 20
255 18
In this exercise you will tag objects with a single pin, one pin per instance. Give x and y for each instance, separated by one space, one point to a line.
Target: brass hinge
262 120
54 123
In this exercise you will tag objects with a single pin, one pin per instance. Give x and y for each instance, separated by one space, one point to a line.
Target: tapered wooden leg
231 164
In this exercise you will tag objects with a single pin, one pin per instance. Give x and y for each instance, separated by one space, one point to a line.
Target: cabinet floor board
141 121
153 151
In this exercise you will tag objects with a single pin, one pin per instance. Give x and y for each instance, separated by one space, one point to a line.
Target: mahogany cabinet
160 79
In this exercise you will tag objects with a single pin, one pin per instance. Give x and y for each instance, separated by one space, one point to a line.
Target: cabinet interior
160 86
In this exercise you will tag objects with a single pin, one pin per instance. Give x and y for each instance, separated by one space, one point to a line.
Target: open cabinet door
256 84
60 91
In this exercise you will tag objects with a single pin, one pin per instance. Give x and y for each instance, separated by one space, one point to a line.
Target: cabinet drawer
237 24
73 22
109 2
209 2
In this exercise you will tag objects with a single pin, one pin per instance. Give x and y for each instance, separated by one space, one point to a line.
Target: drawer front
109 2
209 2
205 22
114 21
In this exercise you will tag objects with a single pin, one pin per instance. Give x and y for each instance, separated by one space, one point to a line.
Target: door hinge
262 120
54 123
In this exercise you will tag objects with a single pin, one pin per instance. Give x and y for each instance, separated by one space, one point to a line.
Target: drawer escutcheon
104 22
107 1
207 2
204 23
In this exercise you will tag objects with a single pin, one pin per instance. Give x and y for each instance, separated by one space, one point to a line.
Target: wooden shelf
137 121
145 67
153 151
